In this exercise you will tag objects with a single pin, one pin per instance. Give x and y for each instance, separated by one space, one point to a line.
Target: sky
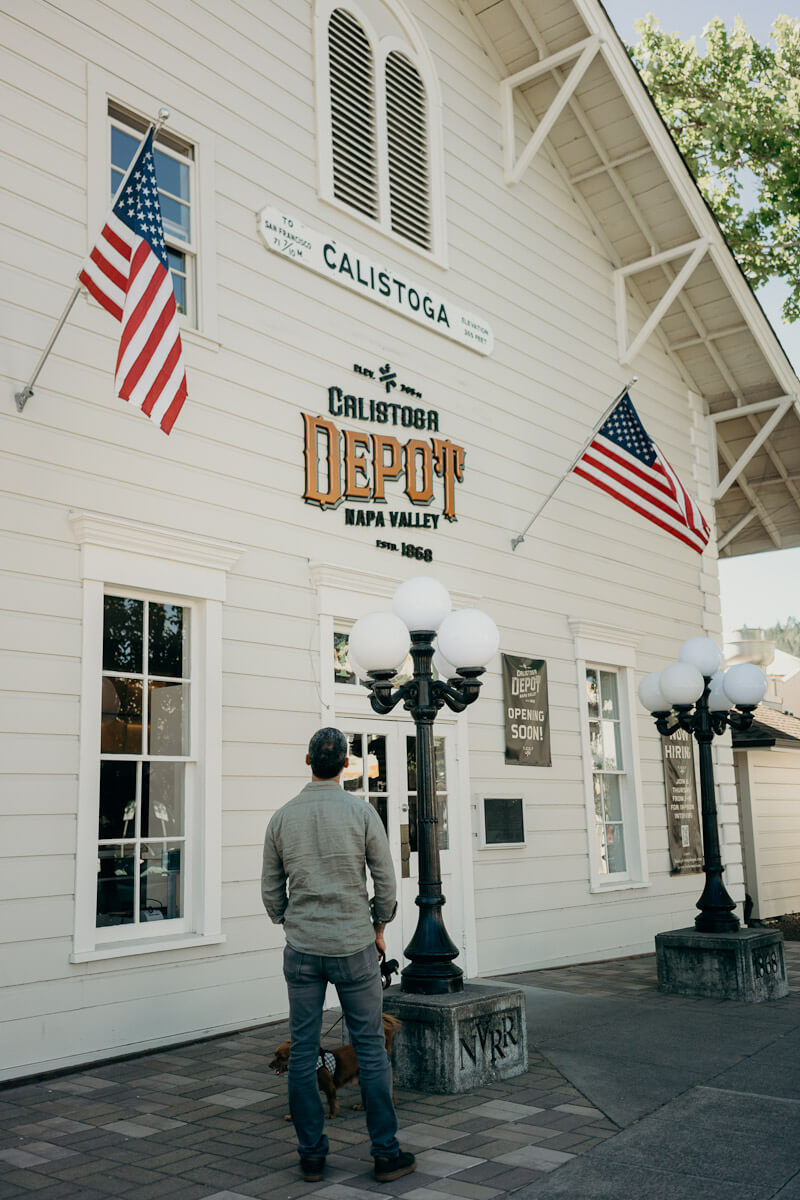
757 589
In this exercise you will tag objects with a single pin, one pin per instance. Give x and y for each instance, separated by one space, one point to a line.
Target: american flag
624 461
128 273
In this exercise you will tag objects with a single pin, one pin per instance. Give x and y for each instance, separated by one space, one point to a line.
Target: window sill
622 885
195 338
127 949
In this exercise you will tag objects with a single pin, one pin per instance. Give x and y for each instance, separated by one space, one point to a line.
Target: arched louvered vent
409 171
353 125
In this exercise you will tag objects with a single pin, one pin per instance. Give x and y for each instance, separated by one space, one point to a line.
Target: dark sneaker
387 1169
312 1168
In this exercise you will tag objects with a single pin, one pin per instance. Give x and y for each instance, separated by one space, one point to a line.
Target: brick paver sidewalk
207 1122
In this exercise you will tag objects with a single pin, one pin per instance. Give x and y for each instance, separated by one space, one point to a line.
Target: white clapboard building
418 248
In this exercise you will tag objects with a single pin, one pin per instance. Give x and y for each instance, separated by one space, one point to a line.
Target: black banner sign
683 822
527 711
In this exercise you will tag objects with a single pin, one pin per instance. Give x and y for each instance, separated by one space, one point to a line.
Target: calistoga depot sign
345 464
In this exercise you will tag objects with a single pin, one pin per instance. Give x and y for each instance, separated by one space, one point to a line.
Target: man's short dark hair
327 752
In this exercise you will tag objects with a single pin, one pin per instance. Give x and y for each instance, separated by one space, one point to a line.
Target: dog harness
325 1060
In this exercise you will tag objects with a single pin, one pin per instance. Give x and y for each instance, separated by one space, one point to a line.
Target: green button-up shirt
314 880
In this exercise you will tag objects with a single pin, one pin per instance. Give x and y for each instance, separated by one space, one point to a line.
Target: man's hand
379 939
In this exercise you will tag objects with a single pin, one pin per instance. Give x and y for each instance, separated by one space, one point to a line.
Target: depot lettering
351 464
384 284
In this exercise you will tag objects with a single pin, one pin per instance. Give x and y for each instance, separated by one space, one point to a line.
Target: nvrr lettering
489 1038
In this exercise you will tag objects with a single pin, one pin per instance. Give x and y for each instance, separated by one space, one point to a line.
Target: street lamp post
459 645
694 695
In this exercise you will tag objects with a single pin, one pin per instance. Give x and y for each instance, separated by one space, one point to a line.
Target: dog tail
391 1022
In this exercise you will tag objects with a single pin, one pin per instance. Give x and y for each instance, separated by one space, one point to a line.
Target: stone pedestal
747 965
458 1042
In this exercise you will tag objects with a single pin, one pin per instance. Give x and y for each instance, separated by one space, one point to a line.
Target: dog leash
335 1023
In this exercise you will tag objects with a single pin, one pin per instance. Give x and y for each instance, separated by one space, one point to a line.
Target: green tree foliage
785 635
735 113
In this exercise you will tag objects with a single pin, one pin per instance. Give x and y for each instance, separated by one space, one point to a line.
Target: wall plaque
328 255
683 822
527 713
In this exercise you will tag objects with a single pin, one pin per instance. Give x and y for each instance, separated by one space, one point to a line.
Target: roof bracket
585 52
781 406
696 251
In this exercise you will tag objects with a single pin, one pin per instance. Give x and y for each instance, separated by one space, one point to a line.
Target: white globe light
354 665
468 638
444 669
745 683
651 695
682 683
379 641
718 698
702 653
421 602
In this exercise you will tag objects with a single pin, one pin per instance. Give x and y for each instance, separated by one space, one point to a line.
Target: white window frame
508 794
612 649
200 326
119 556
414 48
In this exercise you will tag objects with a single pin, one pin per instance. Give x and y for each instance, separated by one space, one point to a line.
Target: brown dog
346 1070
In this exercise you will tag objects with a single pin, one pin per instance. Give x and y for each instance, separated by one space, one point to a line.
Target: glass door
383 771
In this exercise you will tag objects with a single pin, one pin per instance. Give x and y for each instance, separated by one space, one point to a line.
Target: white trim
781 409
416 50
609 647
585 52
597 21
102 86
696 251
147 947
508 794
120 554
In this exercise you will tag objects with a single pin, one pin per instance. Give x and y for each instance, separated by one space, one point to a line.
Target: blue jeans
357 979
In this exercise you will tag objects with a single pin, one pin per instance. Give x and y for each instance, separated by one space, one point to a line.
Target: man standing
319 844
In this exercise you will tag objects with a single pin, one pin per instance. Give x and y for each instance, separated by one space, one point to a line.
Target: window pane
116 871
179 290
608 692
442 829
160 885
116 179
121 722
123 622
612 798
341 667
612 751
168 649
615 848
123 147
353 774
175 217
379 803
592 697
117 800
168 723
441 774
172 175
376 764
411 763
596 743
597 787
162 799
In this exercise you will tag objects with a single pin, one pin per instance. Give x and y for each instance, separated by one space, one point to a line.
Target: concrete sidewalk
629 1094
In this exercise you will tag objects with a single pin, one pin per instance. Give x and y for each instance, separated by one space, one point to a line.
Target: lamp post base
746 964
456 1043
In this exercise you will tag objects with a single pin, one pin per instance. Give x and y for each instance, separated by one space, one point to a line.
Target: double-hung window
378 121
146 756
605 658
148 864
175 173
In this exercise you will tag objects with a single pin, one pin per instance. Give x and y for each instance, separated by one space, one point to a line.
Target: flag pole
521 536
21 398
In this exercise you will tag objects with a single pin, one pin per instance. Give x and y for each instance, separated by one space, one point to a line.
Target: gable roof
566 72
770 728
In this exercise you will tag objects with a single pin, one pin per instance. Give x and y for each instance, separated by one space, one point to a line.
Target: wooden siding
232 469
